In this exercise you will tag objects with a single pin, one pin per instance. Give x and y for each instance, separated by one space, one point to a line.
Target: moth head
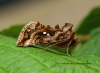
75 41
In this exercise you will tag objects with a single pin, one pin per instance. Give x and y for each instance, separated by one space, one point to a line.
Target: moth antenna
49 46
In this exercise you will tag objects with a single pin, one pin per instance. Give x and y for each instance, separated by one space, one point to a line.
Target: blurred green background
45 11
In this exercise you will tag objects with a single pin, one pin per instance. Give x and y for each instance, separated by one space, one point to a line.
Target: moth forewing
25 31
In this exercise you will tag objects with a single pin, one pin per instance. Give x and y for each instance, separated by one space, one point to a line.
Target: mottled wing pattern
35 33
24 33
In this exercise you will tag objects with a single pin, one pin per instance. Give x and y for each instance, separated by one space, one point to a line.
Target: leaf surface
92 46
15 59
95 32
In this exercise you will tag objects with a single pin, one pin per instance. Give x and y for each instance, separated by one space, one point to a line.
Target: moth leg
68 52
68 49
48 47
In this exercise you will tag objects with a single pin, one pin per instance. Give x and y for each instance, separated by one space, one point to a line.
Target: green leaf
15 59
95 32
12 31
91 21
91 47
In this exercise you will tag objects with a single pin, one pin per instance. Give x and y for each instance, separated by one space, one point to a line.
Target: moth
35 33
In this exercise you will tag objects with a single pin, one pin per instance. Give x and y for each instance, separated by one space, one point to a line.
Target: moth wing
21 37
67 27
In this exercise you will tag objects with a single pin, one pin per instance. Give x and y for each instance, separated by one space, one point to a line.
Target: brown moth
35 33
